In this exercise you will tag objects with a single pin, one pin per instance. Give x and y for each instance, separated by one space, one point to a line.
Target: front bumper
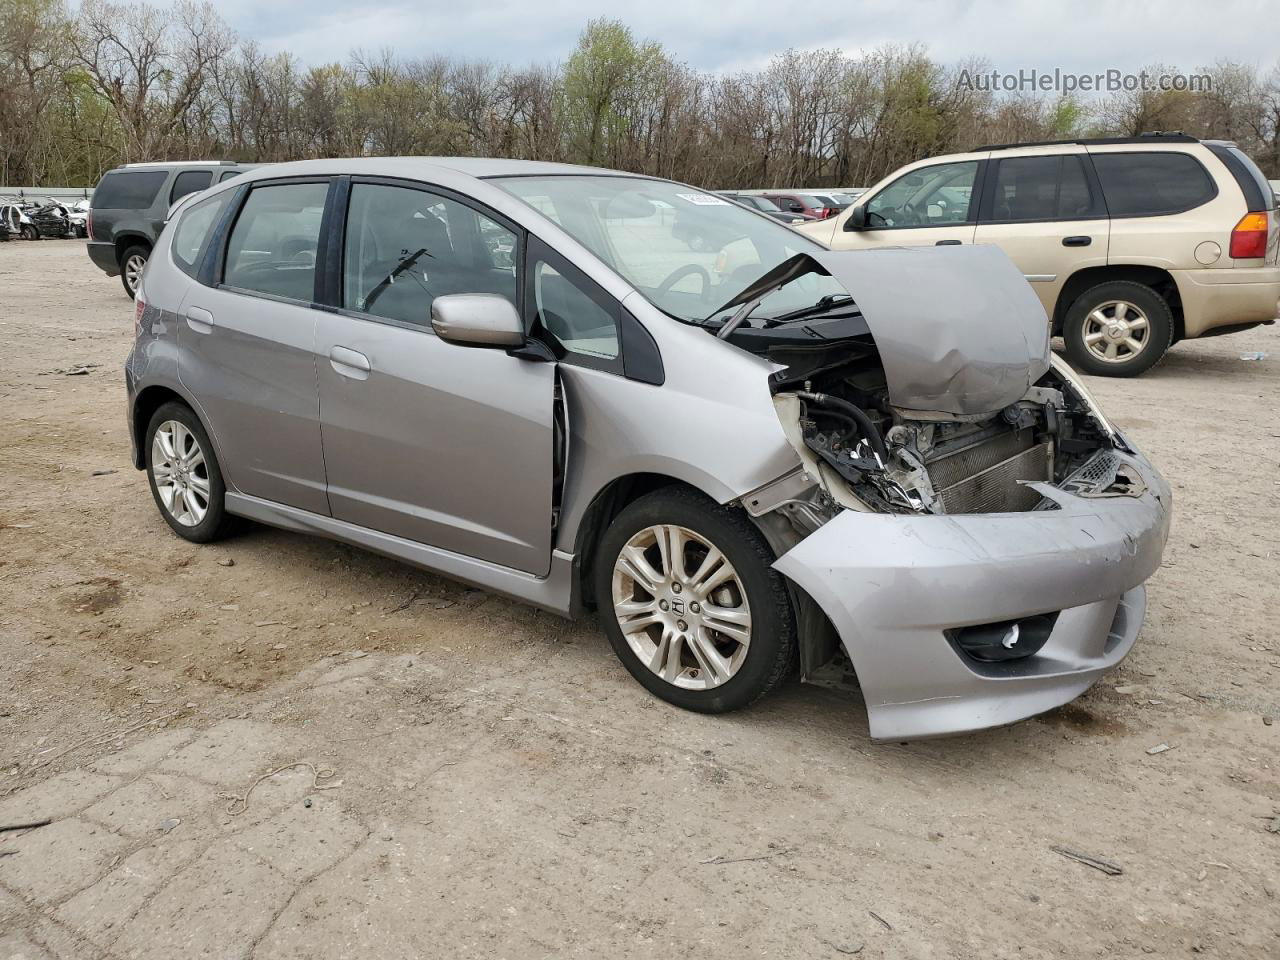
103 256
893 585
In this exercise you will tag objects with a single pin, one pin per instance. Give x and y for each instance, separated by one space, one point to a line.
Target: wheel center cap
677 606
1117 330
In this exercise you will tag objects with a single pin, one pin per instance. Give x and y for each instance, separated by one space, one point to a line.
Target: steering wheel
689 269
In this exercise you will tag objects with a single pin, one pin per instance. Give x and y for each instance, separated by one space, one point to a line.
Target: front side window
405 247
1151 184
189 181
936 196
272 248
688 252
1042 188
192 234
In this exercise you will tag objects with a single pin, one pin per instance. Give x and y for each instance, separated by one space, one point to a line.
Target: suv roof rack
1170 136
181 163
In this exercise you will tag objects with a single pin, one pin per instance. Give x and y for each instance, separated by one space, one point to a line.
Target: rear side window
272 248
1041 189
1152 184
189 181
192 236
228 175
128 190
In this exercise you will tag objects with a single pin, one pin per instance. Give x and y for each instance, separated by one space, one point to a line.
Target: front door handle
349 363
1076 241
200 320
948 243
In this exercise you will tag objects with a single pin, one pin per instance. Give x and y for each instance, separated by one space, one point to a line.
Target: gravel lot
502 788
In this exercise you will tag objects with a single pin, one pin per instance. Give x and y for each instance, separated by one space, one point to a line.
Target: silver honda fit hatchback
752 457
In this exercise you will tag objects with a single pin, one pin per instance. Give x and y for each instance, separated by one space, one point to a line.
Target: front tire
131 266
29 232
691 603
185 479
1117 329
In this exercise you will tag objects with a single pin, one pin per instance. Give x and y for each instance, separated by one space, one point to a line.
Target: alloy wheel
1116 331
180 473
133 270
681 606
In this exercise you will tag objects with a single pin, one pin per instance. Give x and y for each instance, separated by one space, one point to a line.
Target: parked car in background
1275 190
803 203
765 206
14 222
814 455
834 201
129 206
1131 243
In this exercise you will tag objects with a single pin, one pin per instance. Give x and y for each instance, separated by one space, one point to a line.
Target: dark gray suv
131 203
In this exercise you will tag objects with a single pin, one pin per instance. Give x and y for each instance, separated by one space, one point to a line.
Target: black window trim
334 239
1213 183
979 185
215 265
1255 200
987 203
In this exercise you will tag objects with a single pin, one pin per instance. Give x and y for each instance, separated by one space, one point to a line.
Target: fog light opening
1005 639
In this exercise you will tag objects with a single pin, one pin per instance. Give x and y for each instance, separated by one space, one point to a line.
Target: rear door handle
200 320
349 363
948 243
1076 241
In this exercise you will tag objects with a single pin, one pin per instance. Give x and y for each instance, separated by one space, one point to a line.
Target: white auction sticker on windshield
703 199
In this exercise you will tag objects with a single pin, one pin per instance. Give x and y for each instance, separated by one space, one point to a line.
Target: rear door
446 445
1046 212
248 336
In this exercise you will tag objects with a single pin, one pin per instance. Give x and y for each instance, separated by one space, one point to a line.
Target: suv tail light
88 225
139 307
1249 238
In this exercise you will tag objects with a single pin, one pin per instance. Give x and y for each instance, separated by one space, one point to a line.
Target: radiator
983 478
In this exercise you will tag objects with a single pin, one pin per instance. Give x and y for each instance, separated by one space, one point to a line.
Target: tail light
1249 238
88 225
139 307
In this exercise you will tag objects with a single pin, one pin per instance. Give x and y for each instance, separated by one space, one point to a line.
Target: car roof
478 167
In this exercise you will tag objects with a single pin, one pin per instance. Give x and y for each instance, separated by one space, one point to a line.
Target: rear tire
132 263
184 475
1117 329
709 643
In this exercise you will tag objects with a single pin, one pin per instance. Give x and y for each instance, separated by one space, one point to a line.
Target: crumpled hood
958 328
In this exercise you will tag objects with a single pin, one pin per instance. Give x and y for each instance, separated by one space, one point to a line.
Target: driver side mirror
477 320
857 218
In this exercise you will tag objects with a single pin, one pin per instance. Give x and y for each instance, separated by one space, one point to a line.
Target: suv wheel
691 603
184 476
29 232
131 265
1117 329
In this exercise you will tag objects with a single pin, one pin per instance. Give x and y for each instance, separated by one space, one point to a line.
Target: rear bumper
894 585
103 256
1227 298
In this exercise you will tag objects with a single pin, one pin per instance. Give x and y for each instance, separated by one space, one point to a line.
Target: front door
446 445
933 205
1045 212
248 348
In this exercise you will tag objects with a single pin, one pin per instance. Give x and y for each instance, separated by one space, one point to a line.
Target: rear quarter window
195 224
128 190
1152 184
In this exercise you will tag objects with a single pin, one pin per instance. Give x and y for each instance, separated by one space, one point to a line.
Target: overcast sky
1079 36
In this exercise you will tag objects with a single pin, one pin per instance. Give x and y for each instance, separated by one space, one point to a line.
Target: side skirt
553 593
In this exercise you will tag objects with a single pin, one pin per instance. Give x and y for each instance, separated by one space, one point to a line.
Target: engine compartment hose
868 428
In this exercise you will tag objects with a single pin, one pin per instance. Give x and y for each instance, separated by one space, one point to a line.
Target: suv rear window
128 190
189 181
1151 184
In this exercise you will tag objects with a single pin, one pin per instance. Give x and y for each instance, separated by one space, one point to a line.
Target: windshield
688 252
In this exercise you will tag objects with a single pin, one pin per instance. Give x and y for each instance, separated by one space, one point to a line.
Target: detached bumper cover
894 585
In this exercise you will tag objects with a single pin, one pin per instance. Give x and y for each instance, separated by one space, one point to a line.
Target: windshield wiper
824 305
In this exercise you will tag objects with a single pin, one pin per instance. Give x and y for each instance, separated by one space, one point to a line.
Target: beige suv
1131 243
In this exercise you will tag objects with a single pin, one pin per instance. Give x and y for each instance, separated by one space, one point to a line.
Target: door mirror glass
477 320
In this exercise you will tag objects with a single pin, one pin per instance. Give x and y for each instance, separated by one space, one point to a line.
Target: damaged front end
974 530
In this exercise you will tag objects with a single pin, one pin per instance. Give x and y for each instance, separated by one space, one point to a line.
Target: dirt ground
500 786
